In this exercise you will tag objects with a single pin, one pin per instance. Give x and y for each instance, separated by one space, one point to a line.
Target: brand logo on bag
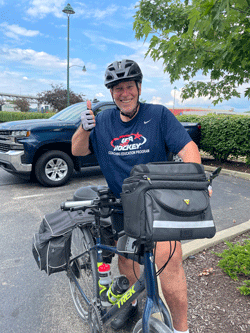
187 201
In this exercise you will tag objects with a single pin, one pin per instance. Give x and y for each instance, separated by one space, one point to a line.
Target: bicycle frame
147 280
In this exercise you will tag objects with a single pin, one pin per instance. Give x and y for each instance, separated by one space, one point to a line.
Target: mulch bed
215 303
230 165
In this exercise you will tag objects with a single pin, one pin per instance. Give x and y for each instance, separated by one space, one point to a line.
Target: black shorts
117 221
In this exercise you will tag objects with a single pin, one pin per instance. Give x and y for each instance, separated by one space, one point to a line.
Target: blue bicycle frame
147 280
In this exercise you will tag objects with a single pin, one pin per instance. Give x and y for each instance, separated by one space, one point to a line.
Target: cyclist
130 134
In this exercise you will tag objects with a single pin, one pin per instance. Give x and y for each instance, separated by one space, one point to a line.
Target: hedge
223 135
11 116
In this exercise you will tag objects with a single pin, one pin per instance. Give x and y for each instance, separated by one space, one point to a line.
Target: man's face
126 96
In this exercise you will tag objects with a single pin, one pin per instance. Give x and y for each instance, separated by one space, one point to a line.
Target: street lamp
68 10
83 68
174 94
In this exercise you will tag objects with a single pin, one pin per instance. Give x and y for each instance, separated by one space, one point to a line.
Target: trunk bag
167 201
51 245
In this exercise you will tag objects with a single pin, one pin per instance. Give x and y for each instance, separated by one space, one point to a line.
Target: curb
227 172
198 245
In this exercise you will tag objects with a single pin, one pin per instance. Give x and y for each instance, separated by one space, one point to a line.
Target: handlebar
101 206
77 205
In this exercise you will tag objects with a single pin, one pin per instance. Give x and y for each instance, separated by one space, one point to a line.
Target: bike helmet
125 70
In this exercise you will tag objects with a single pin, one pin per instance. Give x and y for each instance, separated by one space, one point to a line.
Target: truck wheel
54 168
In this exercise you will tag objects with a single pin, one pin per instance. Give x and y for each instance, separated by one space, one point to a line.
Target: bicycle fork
154 303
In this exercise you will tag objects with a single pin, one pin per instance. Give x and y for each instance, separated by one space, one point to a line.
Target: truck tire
54 168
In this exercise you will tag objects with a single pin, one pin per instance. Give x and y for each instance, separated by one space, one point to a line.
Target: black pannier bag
51 245
167 201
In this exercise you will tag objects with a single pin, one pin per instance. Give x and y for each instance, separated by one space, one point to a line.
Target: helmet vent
120 74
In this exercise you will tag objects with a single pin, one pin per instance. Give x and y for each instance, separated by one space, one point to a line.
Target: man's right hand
88 118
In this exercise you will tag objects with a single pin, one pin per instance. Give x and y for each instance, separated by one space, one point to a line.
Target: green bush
235 262
223 135
11 116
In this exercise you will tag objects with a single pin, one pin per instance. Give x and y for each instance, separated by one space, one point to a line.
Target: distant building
204 111
9 107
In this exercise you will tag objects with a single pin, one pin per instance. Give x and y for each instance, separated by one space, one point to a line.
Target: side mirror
214 174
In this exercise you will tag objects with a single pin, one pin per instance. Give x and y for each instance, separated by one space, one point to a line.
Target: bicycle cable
169 258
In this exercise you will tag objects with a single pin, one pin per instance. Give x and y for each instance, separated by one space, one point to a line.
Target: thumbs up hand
88 118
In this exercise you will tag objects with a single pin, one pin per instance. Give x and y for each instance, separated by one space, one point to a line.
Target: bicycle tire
155 326
85 270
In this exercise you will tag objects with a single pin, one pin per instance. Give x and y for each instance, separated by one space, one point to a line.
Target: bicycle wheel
155 326
85 270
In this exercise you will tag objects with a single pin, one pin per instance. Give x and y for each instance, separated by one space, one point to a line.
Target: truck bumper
11 162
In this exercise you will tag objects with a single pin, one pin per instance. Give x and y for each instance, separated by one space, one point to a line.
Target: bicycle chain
95 319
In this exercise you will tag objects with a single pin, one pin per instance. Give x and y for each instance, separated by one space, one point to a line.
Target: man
131 134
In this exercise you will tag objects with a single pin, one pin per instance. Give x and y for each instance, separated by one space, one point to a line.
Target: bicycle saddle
87 192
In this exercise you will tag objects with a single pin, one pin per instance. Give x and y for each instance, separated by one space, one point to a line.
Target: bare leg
173 282
127 267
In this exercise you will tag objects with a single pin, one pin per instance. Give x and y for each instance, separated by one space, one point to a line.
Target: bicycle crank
94 319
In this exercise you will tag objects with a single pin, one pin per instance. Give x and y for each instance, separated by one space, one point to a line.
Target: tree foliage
211 37
57 97
22 104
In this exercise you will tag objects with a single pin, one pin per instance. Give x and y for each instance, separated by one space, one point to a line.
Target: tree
57 97
22 104
208 36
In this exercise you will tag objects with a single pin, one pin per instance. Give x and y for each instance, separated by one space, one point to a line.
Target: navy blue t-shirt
120 145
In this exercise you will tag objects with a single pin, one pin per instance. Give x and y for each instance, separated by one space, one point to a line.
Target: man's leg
129 268
173 282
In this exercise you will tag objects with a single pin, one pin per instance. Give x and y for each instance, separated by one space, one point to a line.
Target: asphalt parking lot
31 301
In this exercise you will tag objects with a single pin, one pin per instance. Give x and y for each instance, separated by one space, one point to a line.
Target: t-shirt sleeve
175 135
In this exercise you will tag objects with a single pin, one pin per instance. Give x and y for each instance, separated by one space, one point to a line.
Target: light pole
68 10
174 94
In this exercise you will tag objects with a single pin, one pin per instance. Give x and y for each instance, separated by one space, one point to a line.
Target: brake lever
214 174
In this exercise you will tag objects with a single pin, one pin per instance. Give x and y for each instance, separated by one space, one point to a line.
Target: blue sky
33 51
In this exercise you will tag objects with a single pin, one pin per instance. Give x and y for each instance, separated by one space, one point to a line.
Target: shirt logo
145 122
187 201
128 142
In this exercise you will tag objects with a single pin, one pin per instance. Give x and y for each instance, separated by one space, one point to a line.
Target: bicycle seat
87 192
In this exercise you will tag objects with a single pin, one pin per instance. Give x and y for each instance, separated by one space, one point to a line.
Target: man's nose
125 91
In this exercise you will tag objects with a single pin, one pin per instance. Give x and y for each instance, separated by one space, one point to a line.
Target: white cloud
15 31
156 100
100 14
99 95
31 57
41 8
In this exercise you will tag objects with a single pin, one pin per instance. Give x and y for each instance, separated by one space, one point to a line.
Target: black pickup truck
42 147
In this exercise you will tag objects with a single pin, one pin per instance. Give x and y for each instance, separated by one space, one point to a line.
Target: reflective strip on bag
183 224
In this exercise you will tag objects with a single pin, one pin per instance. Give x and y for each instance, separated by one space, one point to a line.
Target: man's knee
164 250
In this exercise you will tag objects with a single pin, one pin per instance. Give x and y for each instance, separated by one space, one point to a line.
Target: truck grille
4 147
5 132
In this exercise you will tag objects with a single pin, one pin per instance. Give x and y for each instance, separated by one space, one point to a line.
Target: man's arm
190 153
80 142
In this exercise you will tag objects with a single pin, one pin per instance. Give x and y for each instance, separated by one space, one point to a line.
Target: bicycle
82 271
87 250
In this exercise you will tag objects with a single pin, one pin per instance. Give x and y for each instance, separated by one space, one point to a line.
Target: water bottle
105 281
119 286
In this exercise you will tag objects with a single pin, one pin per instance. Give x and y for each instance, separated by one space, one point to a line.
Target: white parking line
29 196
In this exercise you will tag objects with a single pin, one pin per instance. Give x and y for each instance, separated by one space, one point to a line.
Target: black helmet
125 70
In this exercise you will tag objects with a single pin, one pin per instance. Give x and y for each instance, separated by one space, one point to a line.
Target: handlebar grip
67 205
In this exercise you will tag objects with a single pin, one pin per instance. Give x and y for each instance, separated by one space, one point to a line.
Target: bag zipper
183 177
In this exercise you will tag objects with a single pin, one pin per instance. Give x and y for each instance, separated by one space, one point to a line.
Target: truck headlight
20 134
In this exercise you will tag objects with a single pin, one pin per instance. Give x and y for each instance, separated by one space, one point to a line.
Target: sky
33 51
